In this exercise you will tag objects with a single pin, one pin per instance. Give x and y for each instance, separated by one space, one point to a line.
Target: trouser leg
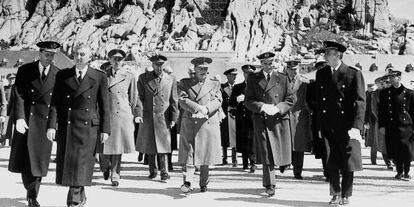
245 160
115 167
297 162
325 169
204 175
152 163
224 155
188 173
169 155
163 162
75 195
399 166
386 159
334 184
104 162
268 175
31 184
233 155
373 153
407 165
347 183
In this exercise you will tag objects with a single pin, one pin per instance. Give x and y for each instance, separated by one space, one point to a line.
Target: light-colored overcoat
199 138
158 107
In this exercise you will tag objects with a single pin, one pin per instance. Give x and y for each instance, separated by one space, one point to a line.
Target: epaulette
355 68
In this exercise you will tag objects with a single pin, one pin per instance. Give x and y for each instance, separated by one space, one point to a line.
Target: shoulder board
354 68
100 70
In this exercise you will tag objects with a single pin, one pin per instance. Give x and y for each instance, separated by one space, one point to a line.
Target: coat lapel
117 79
195 87
49 82
164 82
274 79
72 82
227 90
205 88
37 82
86 83
262 80
151 83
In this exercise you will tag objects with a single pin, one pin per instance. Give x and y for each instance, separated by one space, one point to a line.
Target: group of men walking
272 118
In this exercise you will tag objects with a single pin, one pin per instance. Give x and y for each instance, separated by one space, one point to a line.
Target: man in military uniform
269 96
30 150
10 94
299 118
340 99
200 99
157 113
244 123
396 115
80 107
227 129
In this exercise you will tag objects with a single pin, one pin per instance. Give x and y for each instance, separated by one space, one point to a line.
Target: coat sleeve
215 104
411 106
289 99
19 102
360 102
141 97
103 104
369 96
381 109
3 102
251 102
185 102
55 101
174 102
133 95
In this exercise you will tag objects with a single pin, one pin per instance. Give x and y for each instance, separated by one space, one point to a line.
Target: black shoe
253 168
115 183
234 163
225 162
203 189
170 168
344 201
245 167
165 176
186 187
336 199
270 190
406 177
283 168
140 157
298 177
152 175
31 202
389 167
398 176
106 175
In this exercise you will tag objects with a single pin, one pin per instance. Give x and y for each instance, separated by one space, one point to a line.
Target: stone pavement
375 186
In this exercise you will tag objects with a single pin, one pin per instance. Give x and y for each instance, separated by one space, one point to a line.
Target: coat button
340 99
31 113
70 109
389 98
86 110
47 117
33 102
154 104
321 87
89 97
195 122
404 119
86 123
342 112
323 99
343 86
68 122
276 95
324 111
391 119
32 90
48 106
68 96
50 93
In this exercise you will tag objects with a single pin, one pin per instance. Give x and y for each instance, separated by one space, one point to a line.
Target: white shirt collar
337 67
83 71
41 69
265 74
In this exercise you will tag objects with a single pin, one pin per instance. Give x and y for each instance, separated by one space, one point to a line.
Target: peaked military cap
116 53
10 75
394 73
158 58
266 55
50 46
201 61
230 71
248 68
331 45
293 64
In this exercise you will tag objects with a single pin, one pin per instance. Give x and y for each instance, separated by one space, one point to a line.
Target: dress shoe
115 183
298 177
336 199
165 176
406 177
253 168
186 187
203 189
283 168
225 162
398 176
32 202
389 167
234 164
140 157
245 167
344 201
270 190
152 175
106 175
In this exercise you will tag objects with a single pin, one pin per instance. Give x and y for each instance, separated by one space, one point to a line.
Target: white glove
355 134
199 115
172 124
303 79
270 109
21 126
138 120
240 98
2 119
366 126
104 137
50 134
203 110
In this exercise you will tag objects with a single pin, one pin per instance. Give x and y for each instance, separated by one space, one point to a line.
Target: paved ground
375 186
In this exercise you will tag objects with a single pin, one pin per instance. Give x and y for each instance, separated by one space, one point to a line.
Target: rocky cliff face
246 27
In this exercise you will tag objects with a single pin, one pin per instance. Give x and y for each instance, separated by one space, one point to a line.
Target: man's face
267 65
115 62
291 72
380 85
82 56
231 78
11 81
158 67
395 80
46 57
331 57
201 72
191 74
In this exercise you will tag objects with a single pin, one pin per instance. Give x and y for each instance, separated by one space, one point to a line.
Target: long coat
30 152
244 123
158 107
10 93
123 98
341 106
199 138
272 130
318 144
374 138
396 114
300 123
227 128
81 112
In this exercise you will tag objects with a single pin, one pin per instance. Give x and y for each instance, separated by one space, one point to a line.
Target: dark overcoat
340 107
318 144
81 112
199 137
396 114
374 138
30 152
158 107
271 130
226 141
244 123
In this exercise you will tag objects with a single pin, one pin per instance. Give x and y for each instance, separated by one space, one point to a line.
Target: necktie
43 77
268 77
80 76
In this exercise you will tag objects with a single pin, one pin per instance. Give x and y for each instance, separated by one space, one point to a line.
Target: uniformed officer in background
340 95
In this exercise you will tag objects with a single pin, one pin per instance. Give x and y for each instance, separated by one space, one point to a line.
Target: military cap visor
158 59
248 68
230 71
116 53
10 76
50 46
201 61
394 73
266 55
331 45
292 64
